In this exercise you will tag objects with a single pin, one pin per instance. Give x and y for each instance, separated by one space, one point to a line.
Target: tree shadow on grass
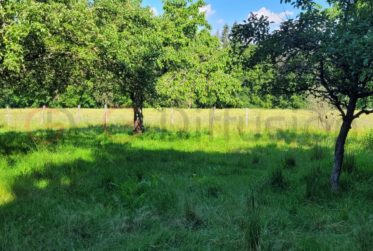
122 196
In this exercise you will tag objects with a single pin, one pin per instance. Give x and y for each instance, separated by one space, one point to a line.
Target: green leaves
324 52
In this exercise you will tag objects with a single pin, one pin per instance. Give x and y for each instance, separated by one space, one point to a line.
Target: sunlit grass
233 120
103 188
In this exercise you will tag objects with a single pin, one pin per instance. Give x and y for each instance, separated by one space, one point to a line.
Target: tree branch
333 98
365 94
363 111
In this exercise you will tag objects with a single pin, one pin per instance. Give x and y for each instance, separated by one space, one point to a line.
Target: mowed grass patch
95 189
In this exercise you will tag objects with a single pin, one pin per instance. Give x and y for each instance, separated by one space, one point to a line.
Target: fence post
172 117
8 115
105 116
247 117
78 116
42 115
212 119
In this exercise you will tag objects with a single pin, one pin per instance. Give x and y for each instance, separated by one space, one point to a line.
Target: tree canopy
325 52
119 53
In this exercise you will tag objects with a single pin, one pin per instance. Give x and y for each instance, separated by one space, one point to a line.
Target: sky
220 12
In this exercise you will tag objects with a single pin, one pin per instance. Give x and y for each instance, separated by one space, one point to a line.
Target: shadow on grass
123 196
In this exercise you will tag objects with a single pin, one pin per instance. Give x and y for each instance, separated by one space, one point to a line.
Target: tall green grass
171 189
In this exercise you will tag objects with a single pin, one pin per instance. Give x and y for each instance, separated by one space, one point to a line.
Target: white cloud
276 18
208 10
154 10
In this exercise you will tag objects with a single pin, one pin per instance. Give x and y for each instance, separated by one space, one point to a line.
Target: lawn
196 180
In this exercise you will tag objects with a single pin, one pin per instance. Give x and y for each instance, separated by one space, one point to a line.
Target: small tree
323 52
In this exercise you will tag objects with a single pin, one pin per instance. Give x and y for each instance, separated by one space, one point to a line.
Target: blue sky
220 12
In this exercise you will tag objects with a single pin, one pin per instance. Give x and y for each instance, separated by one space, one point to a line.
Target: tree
129 45
48 46
194 64
224 38
205 80
323 52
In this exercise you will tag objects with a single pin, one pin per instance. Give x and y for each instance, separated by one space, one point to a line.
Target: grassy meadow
195 180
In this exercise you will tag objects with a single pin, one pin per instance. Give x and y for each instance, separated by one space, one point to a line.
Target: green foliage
70 53
322 52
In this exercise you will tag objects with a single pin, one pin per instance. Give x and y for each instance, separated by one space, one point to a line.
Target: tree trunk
340 145
138 120
339 155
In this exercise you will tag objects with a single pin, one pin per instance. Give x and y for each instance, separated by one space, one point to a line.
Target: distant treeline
65 53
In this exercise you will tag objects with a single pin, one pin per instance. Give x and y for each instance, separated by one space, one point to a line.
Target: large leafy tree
10 45
129 47
323 52
194 63
48 46
205 80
